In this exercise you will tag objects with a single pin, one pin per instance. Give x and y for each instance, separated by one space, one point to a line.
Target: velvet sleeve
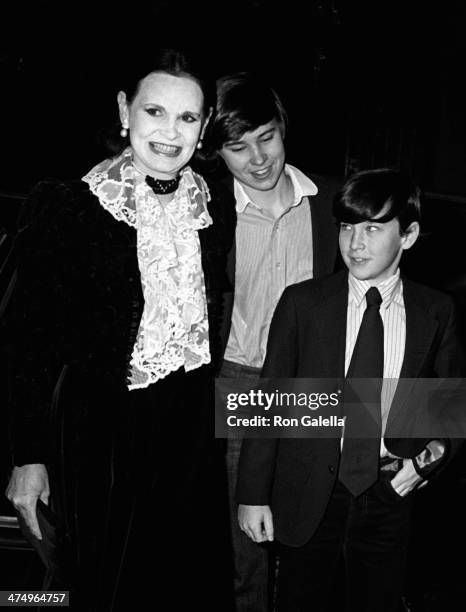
37 318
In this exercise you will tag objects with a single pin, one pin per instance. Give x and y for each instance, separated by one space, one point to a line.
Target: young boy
285 233
308 493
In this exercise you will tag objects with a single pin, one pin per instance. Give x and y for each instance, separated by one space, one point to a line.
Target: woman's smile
160 148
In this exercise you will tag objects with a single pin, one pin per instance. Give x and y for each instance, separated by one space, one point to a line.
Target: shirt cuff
431 458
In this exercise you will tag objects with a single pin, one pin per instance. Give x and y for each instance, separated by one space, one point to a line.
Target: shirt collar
302 187
390 289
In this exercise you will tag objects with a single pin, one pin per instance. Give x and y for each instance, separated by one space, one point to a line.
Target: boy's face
372 251
257 159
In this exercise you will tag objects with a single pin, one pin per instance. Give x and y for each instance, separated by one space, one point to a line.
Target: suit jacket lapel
331 315
420 332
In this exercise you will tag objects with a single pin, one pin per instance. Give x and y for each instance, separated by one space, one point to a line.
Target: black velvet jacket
78 301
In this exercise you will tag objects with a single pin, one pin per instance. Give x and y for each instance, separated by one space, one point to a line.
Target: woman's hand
256 522
29 483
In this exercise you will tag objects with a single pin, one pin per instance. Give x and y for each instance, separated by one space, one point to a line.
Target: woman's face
165 121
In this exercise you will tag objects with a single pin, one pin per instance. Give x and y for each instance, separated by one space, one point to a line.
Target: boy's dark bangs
353 217
358 212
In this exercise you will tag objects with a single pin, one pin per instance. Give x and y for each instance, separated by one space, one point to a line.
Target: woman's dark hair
169 61
244 103
366 194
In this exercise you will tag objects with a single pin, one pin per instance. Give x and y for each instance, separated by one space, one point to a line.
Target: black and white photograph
233 306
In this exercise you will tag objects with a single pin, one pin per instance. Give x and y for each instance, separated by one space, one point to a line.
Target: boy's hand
406 479
256 522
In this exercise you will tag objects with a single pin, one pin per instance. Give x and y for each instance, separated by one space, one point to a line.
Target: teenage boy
285 234
313 497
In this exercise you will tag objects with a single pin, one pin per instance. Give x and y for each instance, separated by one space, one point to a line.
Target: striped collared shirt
392 311
270 255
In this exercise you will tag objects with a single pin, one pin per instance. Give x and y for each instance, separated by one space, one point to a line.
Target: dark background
366 84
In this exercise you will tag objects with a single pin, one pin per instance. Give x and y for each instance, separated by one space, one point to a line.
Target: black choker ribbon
161 187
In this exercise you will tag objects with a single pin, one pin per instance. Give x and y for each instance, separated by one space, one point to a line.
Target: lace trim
112 181
174 330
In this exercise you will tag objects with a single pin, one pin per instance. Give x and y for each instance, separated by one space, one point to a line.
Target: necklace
161 187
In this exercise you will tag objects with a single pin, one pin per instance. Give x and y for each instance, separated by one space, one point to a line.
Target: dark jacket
78 301
307 340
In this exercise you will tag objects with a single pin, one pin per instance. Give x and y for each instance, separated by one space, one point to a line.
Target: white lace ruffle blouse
174 330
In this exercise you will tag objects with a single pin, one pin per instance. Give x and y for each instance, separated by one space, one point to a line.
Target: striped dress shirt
270 255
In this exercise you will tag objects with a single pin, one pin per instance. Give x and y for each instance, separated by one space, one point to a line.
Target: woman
117 311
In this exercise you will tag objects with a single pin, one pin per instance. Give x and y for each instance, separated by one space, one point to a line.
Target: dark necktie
359 462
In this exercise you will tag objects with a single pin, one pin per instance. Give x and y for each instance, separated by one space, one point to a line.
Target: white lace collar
113 181
174 330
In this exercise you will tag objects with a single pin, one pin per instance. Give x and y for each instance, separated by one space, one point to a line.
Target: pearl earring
124 132
199 145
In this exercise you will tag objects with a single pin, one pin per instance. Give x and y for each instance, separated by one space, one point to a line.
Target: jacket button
331 469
